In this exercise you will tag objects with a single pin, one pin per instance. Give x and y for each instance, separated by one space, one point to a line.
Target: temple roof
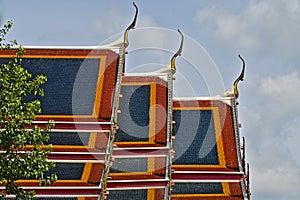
161 146
123 136
207 150
79 97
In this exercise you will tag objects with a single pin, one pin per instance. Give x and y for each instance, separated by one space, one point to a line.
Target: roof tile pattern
78 96
207 162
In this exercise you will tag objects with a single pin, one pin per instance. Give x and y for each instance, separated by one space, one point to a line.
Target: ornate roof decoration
205 135
124 136
240 78
178 53
131 26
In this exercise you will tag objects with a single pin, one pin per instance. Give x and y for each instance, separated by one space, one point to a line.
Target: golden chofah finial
131 26
178 53
240 78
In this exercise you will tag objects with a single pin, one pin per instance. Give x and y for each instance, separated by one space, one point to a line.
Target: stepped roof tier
208 158
123 136
79 96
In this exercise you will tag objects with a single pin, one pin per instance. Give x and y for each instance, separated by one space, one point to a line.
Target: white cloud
271 122
146 21
262 27
115 21
111 23
267 33
285 94
278 183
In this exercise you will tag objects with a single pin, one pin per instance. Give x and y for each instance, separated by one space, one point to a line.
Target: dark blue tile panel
61 86
129 165
134 117
127 195
195 141
197 188
69 138
67 171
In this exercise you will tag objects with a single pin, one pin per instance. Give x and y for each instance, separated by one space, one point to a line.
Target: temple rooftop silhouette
123 136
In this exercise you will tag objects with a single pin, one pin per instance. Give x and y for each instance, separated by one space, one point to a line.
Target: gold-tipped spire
178 53
240 78
131 26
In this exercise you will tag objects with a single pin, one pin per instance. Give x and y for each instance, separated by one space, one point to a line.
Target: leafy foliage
23 153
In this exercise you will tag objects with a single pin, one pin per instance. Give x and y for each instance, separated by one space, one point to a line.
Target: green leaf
16 115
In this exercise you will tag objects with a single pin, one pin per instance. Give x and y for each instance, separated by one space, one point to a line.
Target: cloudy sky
266 33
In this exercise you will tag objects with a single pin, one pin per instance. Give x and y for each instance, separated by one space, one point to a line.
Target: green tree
23 153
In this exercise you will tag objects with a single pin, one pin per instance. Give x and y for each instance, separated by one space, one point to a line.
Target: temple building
123 136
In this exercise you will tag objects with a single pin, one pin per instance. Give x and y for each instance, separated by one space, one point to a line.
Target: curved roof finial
240 78
131 26
178 53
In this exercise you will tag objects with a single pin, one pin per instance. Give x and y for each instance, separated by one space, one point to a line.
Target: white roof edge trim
226 100
136 188
62 195
73 153
76 161
74 122
114 46
202 98
70 47
209 172
137 180
206 181
140 156
140 148
146 74
78 130
162 76
67 153
56 187
58 195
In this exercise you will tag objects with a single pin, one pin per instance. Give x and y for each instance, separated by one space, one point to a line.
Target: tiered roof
79 97
123 136
142 143
208 158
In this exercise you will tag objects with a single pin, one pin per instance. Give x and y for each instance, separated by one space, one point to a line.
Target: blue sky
266 33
